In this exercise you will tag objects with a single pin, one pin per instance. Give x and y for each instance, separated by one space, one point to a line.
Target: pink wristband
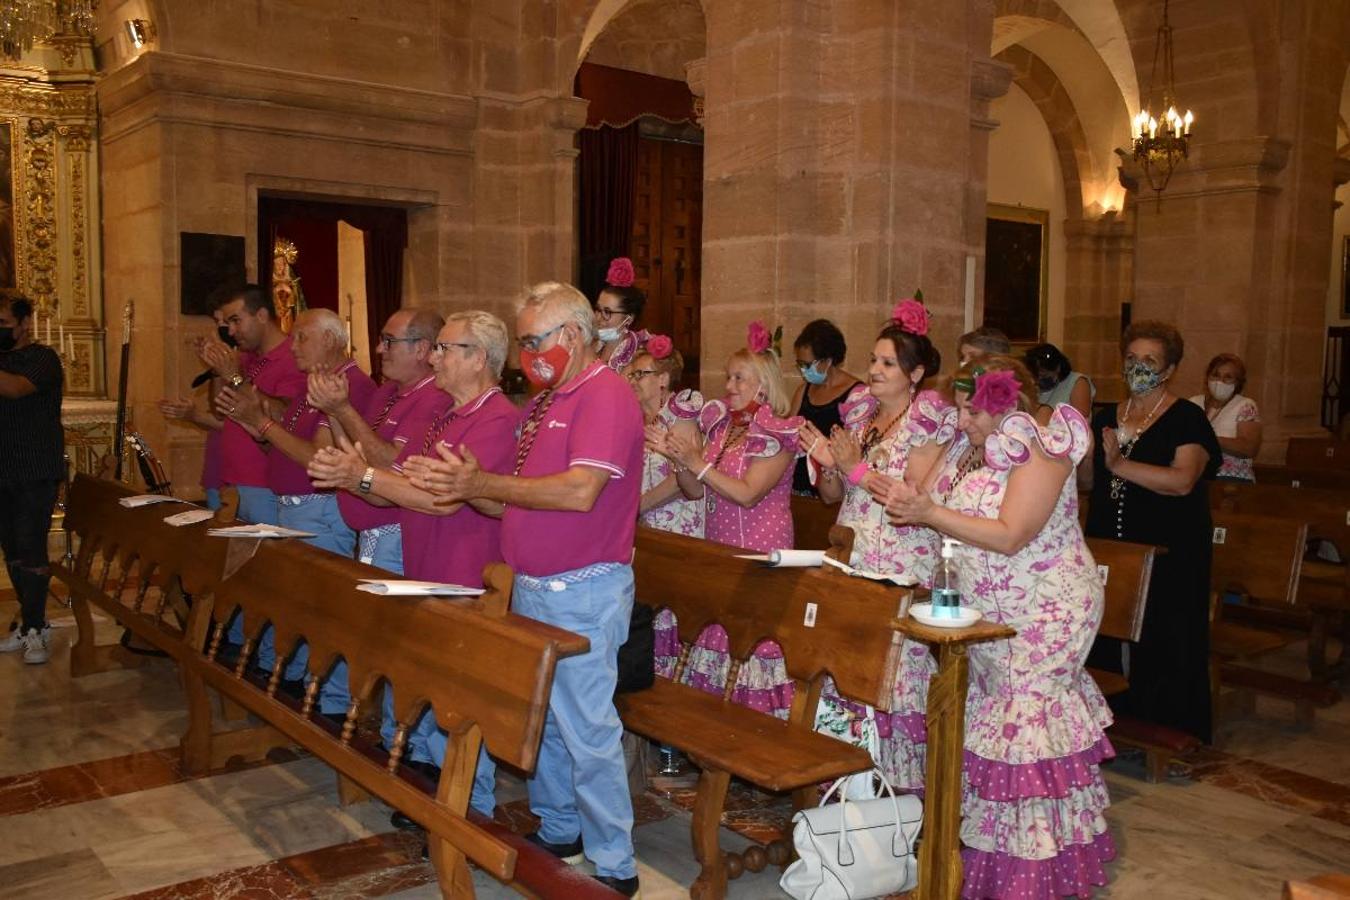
857 474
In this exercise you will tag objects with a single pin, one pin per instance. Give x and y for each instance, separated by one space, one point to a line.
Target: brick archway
1042 85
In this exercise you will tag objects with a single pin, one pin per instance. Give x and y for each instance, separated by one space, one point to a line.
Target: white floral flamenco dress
1034 797
680 516
879 546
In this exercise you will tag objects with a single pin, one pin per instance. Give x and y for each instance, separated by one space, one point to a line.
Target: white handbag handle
845 855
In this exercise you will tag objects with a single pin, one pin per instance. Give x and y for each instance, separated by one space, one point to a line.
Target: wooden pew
1323 598
1327 453
1128 570
825 622
812 520
1258 557
484 672
1303 476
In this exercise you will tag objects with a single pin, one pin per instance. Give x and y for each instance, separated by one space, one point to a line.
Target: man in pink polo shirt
265 362
569 514
320 347
450 544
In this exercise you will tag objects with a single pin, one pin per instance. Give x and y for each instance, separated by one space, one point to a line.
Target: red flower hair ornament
620 273
758 337
911 315
996 392
659 346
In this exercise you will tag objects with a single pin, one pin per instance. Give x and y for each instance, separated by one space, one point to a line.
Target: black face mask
224 332
1047 382
7 339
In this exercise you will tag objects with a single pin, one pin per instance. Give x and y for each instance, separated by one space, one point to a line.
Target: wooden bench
812 520
1303 476
1323 599
825 622
1258 557
485 673
1326 453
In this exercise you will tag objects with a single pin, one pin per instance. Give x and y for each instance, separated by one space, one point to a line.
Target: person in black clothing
1152 459
820 350
32 466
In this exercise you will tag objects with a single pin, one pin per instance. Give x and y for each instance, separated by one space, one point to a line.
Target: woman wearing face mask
820 350
617 310
892 431
1235 418
1057 383
743 471
1149 468
1032 808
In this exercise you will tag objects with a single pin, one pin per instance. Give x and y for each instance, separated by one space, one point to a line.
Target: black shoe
403 822
626 886
570 853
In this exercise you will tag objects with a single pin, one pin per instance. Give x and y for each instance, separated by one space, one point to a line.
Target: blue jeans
318 514
257 505
580 785
335 694
213 499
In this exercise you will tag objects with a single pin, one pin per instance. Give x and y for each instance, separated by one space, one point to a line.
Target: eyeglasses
607 314
531 342
387 341
442 346
637 375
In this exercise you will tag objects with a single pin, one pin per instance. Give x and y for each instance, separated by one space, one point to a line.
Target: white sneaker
12 641
35 645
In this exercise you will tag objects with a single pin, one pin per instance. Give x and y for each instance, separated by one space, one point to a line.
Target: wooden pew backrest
811 521
1260 556
1304 476
467 664
810 613
1318 453
1127 569
1326 510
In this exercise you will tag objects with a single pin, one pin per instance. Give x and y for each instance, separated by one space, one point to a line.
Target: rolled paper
796 558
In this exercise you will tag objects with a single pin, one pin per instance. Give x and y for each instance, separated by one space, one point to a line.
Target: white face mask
609 335
1220 390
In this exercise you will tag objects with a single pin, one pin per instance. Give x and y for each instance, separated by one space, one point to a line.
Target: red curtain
312 226
619 97
608 167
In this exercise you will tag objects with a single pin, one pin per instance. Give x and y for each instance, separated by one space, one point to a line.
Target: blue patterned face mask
1140 378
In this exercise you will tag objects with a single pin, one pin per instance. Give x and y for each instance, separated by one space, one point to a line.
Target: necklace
872 436
971 461
1127 446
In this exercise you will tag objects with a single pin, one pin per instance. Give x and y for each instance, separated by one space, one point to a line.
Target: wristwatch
367 480
236 381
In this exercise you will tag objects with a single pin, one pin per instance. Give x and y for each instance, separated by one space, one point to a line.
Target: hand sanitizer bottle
946 588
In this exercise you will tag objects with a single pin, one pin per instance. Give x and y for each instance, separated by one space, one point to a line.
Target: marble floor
93 804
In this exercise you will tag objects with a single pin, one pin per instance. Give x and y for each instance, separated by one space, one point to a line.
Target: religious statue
287 296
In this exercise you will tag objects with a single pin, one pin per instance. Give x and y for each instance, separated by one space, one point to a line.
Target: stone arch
581 22
1042 85
1098 22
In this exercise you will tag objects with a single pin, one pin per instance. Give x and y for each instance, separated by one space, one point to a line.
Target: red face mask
544 369
744 416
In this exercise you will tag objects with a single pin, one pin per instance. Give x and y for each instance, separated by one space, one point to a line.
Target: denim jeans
257 505
317 514
335 694
580 785
213 499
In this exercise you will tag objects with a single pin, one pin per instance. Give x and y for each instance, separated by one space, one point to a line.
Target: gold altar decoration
49 243
287 296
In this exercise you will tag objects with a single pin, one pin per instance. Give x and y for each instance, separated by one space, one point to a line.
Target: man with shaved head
320 348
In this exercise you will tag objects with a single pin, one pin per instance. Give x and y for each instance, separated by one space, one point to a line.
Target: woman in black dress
820 350
1152 458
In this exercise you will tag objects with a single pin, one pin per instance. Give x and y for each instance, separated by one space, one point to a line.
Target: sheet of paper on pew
191 517
817 558
394 587
258 531
147 499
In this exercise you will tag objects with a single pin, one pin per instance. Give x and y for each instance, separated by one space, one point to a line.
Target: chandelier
24 23
1161 141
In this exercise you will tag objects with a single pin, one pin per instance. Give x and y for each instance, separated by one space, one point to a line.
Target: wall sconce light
140 31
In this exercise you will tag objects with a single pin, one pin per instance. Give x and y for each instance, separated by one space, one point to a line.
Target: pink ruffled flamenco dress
879 546
1034 797
762 682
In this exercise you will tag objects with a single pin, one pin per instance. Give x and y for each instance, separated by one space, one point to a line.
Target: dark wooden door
667 242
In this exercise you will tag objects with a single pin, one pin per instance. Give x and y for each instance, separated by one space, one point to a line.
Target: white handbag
855 849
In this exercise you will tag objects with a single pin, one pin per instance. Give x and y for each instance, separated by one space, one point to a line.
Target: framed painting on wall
1017 266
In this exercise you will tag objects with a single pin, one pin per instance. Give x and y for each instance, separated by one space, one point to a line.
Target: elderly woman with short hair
1235 418
1153 455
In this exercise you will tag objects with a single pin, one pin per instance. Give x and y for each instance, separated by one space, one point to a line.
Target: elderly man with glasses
569 516
443 543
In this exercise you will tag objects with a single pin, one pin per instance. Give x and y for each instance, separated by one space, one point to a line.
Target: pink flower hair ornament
995 391
620 273
659 346
758 337
911 315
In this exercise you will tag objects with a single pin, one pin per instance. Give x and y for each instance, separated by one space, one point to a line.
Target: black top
32 444
824 417
1169 667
